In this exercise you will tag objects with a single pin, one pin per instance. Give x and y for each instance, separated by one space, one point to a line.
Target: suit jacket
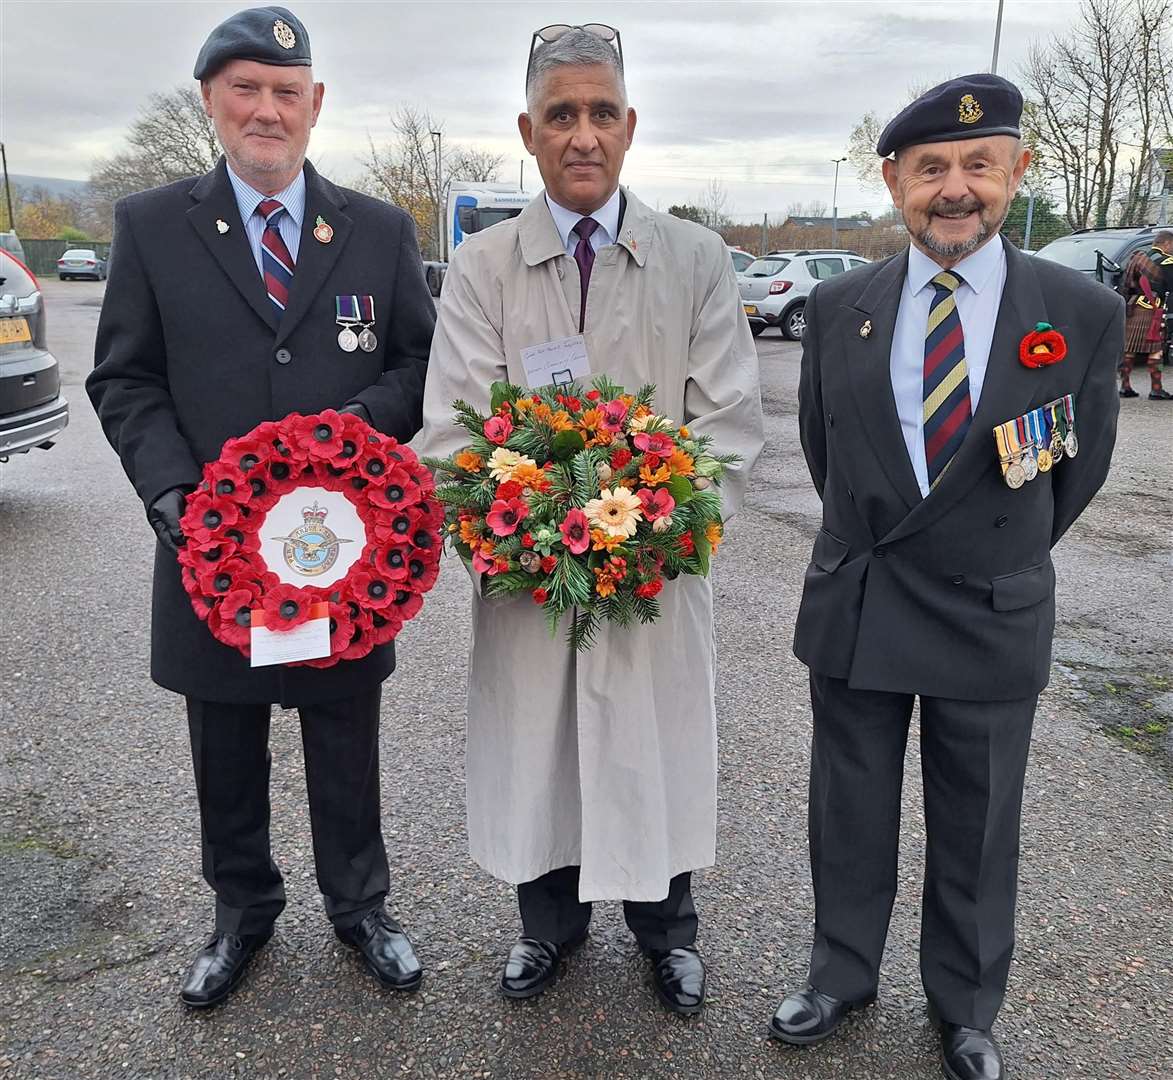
190 351
952 595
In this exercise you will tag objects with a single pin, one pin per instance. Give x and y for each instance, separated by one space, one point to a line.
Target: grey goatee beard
959 248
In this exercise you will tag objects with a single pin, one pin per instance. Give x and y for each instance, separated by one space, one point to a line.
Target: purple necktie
584 255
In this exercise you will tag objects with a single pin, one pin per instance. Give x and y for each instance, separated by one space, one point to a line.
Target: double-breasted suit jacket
190 352
952 595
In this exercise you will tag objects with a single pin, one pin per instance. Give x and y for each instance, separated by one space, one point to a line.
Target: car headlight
26 305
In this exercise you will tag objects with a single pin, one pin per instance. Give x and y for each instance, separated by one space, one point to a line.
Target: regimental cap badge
968 110
284 34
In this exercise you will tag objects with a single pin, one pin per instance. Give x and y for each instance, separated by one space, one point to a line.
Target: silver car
81 262
774 288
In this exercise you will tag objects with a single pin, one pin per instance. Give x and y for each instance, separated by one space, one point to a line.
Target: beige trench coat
606 759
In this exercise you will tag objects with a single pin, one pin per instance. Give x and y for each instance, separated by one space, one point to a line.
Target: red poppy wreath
308 517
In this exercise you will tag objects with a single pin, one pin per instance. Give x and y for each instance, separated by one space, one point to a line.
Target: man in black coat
931 576
220 313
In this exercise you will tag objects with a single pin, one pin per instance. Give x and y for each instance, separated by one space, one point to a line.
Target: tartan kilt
1142 331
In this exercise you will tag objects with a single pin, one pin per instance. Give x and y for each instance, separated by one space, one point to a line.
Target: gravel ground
101 902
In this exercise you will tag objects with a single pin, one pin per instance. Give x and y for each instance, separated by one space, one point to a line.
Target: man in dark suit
931 576
220 313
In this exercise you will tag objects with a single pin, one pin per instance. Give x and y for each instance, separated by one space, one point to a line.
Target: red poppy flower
540 596
233 617
422 572
221 578
614 414
498 429
407 604
576 531
362 637
505 515
285 607
657 504
385 625
395 490
225 480
1043 346
207 513
620 458
399 528
371 590
319 437
652 461
654 443
649 588
391 563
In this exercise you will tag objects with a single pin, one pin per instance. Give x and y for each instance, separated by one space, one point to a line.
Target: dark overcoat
190 352
952 595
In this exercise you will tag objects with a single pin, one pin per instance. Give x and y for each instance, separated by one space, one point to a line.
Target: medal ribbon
346 310
366 308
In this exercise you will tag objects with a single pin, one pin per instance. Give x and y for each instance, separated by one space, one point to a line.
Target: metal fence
42 255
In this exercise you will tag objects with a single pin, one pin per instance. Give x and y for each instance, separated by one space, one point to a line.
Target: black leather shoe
1160 395
967 1053
386 949
808 1016
679 978
532 965
218 967
1128 392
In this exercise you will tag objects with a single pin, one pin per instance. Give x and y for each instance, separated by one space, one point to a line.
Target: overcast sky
761 95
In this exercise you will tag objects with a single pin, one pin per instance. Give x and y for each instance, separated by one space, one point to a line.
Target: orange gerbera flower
542 412
684 433
590 426
561 421
603 542
470 533
522 404
681 464
604 582
530 476
468 461
714 533
660 476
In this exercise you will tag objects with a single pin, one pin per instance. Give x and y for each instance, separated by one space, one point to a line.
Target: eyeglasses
552 33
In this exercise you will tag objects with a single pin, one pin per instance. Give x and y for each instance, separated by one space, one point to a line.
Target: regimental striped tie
947 411
276 262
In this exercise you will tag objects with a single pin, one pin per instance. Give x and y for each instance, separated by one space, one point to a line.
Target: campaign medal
366 339
346 314
1046 458
1071 443
1055 433
1030 465
1008 454
322 231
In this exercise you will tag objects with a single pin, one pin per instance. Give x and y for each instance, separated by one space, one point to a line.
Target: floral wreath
226 577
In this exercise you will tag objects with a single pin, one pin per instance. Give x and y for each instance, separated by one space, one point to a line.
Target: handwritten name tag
556 362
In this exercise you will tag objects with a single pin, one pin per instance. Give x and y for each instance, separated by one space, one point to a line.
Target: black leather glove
359 410
164 514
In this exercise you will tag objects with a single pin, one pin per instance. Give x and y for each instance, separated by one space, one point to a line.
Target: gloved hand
164 514
359 410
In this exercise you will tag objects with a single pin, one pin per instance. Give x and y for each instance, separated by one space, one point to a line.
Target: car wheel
794 323
60 277
756 328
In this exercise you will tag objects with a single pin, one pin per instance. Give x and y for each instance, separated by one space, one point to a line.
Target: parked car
741 258
10 242
32 410
774 288
81 262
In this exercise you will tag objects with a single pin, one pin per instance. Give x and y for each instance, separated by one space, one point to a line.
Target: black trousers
552 911
973 757
230 752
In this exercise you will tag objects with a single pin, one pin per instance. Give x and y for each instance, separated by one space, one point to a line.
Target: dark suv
32 410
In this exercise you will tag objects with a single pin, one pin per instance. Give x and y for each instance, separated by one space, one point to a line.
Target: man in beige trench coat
593 776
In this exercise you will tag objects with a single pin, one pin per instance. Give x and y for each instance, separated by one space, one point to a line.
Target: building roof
846 224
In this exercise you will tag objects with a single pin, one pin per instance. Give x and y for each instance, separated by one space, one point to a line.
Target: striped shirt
292 198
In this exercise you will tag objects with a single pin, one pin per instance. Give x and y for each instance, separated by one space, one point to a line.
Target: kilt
1142 330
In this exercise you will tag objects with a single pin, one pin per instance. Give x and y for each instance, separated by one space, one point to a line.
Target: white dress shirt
289 226
978 300
607 216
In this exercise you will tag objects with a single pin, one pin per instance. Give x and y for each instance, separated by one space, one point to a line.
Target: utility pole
7 188
437 139
765 242
835 203
997 38
1030 217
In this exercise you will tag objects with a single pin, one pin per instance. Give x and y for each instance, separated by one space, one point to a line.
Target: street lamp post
835 203
437 141
997 38
7 187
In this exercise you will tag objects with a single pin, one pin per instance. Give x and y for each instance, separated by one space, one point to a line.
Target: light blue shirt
978 300
292 198
607 216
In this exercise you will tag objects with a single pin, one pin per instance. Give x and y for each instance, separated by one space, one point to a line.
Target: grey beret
269 35
970 107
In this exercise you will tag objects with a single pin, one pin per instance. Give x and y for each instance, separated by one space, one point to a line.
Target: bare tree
403 171
713 202
814 208
861 144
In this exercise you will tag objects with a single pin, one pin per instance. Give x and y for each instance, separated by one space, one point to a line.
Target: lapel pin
221 226
322 231
631 240
866 330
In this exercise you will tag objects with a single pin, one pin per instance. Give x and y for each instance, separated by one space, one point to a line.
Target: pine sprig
571 583
583 629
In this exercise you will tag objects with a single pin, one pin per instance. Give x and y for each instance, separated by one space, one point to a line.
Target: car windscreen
16 281
766 267
78 253
1079 252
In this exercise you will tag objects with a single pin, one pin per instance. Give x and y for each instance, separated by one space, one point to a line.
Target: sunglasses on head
552 33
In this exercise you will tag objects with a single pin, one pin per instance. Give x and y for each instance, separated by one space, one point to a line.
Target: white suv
774 288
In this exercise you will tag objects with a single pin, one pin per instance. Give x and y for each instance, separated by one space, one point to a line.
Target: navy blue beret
269 35
970 107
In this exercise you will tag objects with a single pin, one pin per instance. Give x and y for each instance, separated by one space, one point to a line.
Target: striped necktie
947 411
276 262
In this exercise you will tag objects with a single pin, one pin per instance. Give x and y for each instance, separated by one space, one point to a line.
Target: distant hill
54 185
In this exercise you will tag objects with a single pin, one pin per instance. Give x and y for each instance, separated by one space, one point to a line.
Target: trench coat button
561 272
958 579
851 494
283 356
1001 522
880 552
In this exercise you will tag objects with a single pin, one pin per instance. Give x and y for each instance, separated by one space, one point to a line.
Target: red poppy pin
1043 346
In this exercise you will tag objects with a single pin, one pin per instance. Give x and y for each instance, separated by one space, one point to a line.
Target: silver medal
347 339
1071 444
367 340
1015 476
1030 466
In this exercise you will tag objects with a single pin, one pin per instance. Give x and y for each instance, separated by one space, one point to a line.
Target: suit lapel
216 202
315 260
869 371
1007 392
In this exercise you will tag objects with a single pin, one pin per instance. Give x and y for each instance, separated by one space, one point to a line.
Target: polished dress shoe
967 1053
218 967
679 978
386 949
809 1016
1160 395
1128 392
532 965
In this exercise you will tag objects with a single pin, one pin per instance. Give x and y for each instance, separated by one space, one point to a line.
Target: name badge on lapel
1036 441
352 311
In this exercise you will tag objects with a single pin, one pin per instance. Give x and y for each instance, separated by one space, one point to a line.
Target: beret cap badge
969 111
284 34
